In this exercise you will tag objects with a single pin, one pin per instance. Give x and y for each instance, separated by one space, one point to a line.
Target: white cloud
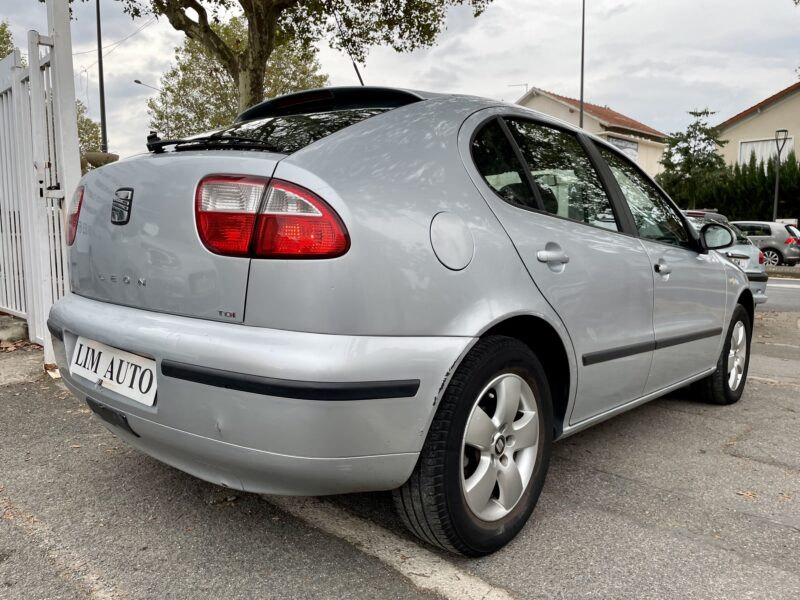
651 60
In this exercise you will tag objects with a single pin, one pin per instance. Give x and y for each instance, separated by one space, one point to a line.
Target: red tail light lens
74 215
792 240
761 258
296 223
244 216
225 209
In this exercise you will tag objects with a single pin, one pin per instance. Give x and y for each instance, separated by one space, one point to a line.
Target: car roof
350 97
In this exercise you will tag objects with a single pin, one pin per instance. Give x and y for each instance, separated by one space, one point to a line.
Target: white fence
39 169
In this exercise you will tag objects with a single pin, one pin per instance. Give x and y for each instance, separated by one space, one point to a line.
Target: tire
434 503
773 257
717 388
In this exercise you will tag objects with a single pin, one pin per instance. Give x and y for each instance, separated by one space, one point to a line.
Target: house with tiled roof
642 143
753 129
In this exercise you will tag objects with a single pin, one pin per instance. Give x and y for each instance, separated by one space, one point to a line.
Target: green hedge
747 191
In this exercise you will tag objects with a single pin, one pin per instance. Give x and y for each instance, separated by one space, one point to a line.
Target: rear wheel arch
549 347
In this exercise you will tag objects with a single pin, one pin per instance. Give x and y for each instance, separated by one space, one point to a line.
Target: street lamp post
781 135
103 130
583 44
140 82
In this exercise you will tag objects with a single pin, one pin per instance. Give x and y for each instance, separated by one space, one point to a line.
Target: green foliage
351 25
198 93
691 160
6 41
88 130
747 191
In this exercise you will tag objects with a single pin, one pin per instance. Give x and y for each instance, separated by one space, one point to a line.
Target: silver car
357 289
779 242
744 253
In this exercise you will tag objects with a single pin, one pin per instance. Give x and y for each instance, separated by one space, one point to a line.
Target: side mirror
715 236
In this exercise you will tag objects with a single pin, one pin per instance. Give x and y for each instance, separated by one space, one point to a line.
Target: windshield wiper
157 145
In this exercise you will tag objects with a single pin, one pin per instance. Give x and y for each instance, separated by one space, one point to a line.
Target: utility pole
103 131
583 46
781 135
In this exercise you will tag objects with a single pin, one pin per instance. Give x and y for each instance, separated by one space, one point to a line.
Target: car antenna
346 49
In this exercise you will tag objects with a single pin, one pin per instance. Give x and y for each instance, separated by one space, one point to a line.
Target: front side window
498 165
569 185
653 215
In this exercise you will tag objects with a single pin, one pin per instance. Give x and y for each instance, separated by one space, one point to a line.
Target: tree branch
175 11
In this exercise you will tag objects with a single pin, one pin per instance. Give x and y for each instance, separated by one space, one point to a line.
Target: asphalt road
783 294
673 499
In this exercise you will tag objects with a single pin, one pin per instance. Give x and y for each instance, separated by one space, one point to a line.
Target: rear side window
498 165
288 134
567 181
756 230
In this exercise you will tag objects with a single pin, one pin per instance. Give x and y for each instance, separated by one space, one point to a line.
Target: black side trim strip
688 337
592 358
286 388
758 277
55 331
605 355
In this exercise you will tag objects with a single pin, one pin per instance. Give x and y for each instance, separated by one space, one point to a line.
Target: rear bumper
758 286
266 410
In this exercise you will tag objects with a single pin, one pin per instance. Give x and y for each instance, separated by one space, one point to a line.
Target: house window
628 148
764 149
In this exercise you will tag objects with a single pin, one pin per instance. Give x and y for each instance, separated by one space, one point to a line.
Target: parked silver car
357 289
779 242
744 253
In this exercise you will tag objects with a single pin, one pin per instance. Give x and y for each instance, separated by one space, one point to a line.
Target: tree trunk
251 81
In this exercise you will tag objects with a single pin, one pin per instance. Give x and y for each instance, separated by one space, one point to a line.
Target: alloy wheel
772 258
500 447
737 355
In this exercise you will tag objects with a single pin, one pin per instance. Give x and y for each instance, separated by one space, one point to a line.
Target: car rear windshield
793 231
288 134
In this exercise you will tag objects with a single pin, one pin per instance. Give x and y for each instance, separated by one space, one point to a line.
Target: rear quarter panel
387 177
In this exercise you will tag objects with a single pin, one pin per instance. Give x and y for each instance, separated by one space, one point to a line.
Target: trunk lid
155 260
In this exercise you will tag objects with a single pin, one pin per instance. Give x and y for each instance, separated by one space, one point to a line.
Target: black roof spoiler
328 99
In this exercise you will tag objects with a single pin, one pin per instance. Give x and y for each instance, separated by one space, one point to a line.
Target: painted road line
71 568
426 570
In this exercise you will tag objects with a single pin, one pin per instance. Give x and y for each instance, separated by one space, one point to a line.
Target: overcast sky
650 60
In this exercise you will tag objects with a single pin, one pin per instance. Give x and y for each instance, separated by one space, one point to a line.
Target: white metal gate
39 169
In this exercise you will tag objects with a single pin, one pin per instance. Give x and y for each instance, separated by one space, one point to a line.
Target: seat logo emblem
121 206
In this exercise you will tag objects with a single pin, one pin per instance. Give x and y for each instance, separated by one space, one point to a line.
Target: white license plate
741 262
127 374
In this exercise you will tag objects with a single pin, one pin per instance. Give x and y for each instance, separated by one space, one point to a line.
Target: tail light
225 209
761 258
792 240
74 215
249 216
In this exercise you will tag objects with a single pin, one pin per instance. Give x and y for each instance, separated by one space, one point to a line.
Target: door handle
662 268
557 257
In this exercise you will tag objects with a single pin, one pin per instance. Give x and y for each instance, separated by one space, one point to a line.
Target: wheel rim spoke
509 481
509 392
479 487
526 431
480 430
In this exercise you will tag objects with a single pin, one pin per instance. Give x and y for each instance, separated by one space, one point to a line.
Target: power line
112 46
